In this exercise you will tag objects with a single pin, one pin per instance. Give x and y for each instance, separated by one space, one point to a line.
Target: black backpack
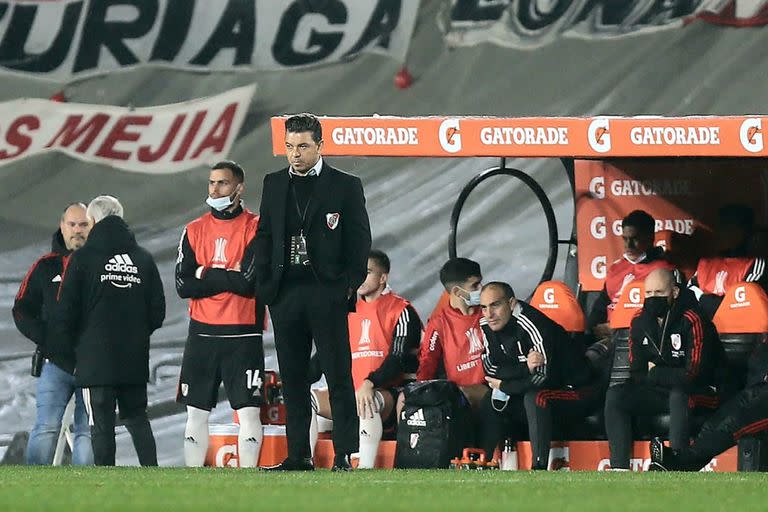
434 426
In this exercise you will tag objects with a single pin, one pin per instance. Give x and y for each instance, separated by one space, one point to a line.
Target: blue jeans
54 389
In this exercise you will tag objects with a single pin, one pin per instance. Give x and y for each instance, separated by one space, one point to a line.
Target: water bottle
508 456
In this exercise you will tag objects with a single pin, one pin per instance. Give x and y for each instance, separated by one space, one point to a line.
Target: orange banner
682 195
598 137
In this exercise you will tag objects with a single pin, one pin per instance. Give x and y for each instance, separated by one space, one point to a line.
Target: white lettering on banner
367 353
599 267
599 135
660 187
634 296
449 135
634 464
751 135
740 294
597 228
549 295
508 136
675 136
683 226
162 139
597 187
378 136
69 39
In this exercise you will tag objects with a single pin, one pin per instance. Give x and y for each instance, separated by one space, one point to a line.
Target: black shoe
656 466
341 463
657 450
290 464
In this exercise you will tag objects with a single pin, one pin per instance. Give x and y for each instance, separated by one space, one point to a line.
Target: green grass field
222 490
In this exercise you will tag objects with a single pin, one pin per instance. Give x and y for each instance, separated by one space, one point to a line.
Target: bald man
673 351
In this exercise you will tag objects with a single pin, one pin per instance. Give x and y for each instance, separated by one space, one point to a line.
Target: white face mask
220 203
474 298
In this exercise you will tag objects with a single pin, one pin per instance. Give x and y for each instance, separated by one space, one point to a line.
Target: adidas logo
645 341
121 263
417 419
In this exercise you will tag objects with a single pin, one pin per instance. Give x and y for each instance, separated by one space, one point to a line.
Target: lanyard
302 214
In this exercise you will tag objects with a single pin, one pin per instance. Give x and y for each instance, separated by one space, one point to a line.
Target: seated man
744 414
531 365
384 334
672 355
453 338
639 259
734 262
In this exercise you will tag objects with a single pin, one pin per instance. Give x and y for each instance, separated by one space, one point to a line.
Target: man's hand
366 403
535 359
493 383
602 331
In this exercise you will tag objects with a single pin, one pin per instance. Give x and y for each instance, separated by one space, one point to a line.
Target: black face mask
656 306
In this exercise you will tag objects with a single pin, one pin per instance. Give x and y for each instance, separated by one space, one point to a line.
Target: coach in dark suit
311 251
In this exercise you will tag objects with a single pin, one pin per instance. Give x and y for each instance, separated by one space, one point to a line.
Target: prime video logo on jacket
123 264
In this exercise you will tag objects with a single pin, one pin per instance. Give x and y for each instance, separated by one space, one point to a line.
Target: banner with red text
682 195
164 139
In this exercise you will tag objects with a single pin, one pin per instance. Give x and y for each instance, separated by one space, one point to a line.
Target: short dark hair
739 215
640 220
457 270
504 288
305 123
234 167
381 259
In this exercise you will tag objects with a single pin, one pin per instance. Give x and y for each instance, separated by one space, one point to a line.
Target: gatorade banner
63 40
598 137
682 195
534 23
164 139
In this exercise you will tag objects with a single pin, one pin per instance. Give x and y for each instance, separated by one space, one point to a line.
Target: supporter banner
66 39
535 23
164 139
603 137
683 195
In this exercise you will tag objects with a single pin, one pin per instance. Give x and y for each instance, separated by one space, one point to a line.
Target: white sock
371 430
196 437
313 423
250 437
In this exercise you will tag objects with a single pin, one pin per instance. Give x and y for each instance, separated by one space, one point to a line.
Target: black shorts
209 361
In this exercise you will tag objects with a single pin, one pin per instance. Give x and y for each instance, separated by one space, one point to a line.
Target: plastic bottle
508 456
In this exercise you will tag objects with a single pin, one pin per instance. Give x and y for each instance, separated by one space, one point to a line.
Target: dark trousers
131 400
301 313
624 401
745 414
536 409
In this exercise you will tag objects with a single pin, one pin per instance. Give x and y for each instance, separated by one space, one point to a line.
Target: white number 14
252 379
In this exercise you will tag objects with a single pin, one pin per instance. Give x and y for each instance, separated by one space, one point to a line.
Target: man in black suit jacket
311 251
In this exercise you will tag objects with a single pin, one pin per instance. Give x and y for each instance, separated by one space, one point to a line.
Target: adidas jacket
685 352
506 353
36 301
111 300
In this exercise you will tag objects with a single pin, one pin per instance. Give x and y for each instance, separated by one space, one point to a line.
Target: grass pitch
223 490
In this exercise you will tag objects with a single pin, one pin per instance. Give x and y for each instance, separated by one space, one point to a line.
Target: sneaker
656 447
656 466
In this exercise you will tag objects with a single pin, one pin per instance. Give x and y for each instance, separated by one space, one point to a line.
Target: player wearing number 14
215 270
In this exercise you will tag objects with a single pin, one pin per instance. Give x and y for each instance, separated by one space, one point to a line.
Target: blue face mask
474 298
499 397
220 203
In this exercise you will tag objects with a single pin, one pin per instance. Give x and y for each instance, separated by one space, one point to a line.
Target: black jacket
35 303
338 247
506 353
111 301
685 356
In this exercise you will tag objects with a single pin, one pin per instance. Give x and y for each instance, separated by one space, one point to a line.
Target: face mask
499 399
656 306
220 203
474 298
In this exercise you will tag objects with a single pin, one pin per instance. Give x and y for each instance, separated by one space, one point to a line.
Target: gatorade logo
549 295
751 135
597 187
599 135
598 267
597 228
450 135
227 456
634 295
